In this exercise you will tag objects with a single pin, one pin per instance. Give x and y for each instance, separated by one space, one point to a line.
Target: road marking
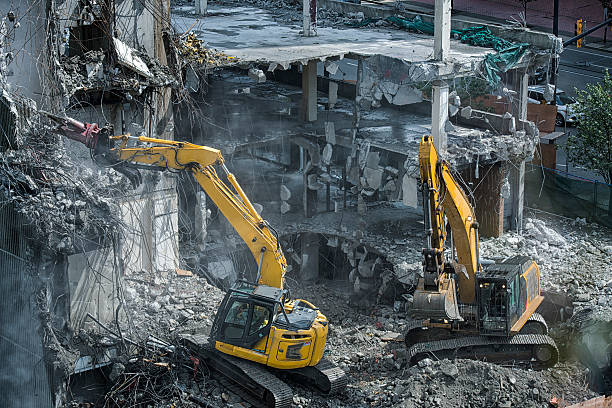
587 52
577 73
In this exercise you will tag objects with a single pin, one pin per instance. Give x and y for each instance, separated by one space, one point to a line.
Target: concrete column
310 197
356 113
310 256
201 7
442 26
200 220
518 171
309 91
518 195
309 14
439 116
521 80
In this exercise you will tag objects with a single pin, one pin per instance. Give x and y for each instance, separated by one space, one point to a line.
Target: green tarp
507 56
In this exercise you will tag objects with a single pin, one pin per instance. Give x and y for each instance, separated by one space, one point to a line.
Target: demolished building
323 135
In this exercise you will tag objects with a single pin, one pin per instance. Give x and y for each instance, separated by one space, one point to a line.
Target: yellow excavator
257 322
461 309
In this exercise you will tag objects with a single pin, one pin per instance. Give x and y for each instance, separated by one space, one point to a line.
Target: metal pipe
263 250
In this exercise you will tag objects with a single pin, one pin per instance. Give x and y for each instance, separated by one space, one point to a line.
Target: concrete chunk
372 160
406 95
466 112
285 193
409 189
327 154
330 132
285 207
373 177
257 75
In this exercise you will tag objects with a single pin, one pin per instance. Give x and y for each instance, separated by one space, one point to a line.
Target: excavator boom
231 201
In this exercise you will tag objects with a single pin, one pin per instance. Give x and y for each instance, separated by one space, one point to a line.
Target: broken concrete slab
285 193
126 56
257 75
373 177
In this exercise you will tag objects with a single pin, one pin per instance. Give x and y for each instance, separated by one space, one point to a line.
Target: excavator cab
508 293
259 323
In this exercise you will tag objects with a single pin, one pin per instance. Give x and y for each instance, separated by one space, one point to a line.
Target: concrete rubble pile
574 257
90 72
367 345
62 201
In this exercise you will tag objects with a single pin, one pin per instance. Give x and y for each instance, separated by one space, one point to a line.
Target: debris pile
91 71
64 202
193 50
574 257
170 303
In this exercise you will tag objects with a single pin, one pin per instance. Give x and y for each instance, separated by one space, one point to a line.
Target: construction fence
568 195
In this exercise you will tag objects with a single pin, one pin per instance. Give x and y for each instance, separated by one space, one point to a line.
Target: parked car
566 105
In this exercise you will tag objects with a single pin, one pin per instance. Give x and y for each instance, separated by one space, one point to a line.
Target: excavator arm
200 161
446 197
235 205
444 284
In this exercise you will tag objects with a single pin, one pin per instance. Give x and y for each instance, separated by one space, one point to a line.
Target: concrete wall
27 43
150 241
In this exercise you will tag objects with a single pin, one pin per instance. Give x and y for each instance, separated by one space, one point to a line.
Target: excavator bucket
440 304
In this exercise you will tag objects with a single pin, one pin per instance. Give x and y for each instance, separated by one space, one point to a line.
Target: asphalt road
581 66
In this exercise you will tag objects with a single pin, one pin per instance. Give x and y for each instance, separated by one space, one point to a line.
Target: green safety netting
506 57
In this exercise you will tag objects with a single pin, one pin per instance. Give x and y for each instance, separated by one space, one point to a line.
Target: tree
591 145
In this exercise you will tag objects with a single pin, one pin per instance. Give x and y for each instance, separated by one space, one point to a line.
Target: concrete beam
442 26
439 116
309 91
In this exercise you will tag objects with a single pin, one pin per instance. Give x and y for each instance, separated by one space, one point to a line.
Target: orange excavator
461 308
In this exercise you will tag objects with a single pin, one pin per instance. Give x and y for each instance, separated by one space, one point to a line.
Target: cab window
261 318
236 320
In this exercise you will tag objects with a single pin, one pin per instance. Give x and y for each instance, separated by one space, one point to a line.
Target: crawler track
251 381
328 378
259 385
540 351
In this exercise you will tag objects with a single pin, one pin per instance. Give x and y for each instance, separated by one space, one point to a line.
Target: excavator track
521 347
327 377
258 385
539 320
251 381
